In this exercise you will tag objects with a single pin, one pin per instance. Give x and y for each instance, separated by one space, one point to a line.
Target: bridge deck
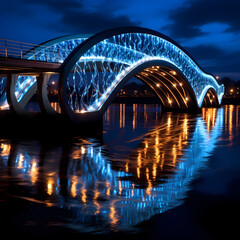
14 65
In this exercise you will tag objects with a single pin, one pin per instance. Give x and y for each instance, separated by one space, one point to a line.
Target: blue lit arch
85 88
55 50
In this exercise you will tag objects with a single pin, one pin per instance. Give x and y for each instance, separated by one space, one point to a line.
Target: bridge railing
22 50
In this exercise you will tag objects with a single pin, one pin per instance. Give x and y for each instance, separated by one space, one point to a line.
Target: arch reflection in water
120 193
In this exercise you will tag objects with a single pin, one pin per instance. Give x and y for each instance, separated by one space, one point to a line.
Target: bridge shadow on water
138 173
37 125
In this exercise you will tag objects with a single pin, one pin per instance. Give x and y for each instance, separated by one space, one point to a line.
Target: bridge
91 69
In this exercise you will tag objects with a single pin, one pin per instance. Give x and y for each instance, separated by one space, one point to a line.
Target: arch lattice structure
94 68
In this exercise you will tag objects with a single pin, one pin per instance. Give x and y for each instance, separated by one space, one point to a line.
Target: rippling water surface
143 164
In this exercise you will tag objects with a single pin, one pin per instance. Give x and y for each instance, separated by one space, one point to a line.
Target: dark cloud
229 62
203 52
187 20
214 59
13 9
93 22
75 18
57 6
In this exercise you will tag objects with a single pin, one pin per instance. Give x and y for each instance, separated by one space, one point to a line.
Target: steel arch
88 55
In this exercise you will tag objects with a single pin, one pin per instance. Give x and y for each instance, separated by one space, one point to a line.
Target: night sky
208 29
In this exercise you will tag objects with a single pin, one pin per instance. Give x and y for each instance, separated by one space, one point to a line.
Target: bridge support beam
43 101
14 105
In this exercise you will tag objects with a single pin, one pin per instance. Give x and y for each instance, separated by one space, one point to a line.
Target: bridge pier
14 105
40 88
43 101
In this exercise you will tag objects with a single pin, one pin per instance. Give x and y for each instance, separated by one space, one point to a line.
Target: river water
147 175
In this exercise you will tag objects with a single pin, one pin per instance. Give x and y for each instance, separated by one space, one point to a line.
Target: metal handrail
23 50
32 44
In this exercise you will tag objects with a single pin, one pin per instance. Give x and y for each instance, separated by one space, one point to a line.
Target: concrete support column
43 101
14 105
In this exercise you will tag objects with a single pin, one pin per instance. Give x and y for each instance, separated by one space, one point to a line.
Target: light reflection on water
143 165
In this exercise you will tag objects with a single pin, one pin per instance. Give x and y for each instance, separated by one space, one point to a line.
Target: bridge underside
211 99
24 66
166 81
170 87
